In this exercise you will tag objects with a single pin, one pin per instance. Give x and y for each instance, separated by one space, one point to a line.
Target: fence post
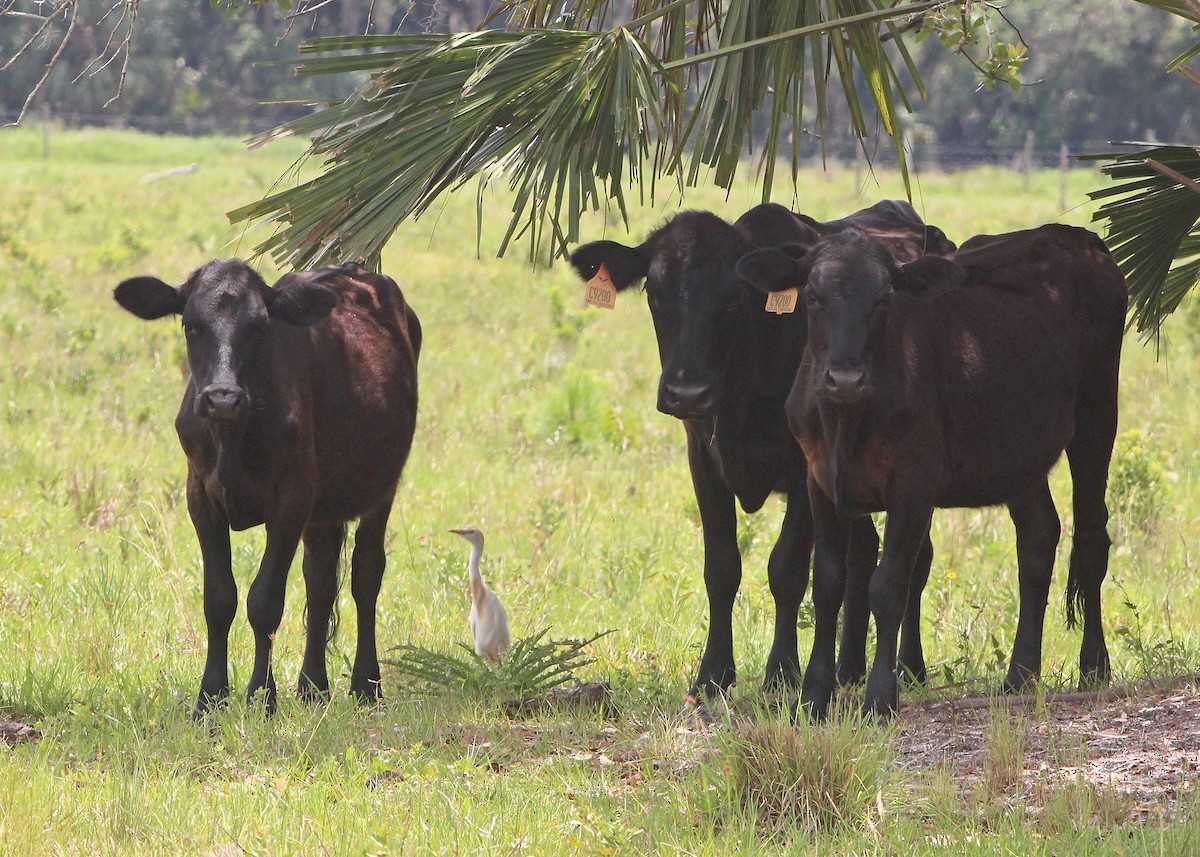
1027 159
1062 177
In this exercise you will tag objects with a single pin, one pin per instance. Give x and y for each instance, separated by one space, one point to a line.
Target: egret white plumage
489 621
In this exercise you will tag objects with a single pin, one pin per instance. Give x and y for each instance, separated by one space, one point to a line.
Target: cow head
694 296
850 283
227 311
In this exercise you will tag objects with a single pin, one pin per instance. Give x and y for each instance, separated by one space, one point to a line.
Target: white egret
489 622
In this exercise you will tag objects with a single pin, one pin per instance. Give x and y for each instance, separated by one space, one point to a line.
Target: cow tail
1074 595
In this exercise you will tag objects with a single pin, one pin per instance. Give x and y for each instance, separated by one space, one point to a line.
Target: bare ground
1139 742
12 732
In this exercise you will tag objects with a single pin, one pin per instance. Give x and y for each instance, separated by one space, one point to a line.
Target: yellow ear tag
600 290
782 302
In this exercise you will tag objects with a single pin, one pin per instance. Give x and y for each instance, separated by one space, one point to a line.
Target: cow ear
774 269
626 265
300 303
937 243
149 297
929 276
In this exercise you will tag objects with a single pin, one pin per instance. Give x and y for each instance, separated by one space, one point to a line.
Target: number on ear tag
600 290
782 302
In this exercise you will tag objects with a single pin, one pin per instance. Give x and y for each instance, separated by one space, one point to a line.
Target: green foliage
967 27
531 667
568 117
578 411
1153 226
1137 483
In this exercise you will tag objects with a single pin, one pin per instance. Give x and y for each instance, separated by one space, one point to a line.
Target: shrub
1136 484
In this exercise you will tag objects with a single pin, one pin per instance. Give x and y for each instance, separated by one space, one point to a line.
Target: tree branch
62 46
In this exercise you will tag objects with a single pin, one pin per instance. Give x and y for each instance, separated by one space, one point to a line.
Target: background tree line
198 69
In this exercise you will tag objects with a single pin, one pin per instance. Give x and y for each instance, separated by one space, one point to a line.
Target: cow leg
322 550
1038 529
831 542
366 578
912 653
722 567
264 603
787 571
861 559
1088 455
220 596
903 539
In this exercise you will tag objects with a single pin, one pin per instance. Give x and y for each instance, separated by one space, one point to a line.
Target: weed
1166 657
808 777
1004 759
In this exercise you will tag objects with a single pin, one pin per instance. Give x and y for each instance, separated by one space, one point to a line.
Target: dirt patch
12 732
1141 743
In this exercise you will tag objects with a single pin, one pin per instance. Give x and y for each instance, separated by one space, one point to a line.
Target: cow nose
221 404
845 385
686 401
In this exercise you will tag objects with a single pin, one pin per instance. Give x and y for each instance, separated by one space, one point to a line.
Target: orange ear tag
600 290
782 302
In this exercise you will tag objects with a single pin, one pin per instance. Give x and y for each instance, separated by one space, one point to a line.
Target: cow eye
190 330
812 301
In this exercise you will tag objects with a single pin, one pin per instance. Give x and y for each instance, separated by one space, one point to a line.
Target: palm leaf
570 118
1153 226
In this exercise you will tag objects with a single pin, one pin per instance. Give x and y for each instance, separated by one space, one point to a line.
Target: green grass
537 423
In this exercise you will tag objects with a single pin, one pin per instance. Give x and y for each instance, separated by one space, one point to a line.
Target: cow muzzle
687 401
845 386
220 404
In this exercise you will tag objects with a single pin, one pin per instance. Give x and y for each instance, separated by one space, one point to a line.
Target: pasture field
537 423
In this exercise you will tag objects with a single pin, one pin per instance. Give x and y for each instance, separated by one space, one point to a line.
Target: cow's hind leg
322 550
1088 455
787 571
912 653
1036 520
366 579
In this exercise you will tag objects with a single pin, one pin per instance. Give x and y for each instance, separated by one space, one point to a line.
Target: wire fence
923 153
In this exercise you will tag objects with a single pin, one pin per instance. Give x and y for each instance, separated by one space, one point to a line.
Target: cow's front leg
722 566
220 595
264 603
831 540
903 539
787 571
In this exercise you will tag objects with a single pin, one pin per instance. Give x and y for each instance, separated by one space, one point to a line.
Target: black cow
299 414
955 383
727 367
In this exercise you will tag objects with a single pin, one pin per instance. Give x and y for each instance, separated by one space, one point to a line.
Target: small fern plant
533 666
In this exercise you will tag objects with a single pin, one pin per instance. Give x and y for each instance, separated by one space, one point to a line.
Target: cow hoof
699 715
206 703
312 694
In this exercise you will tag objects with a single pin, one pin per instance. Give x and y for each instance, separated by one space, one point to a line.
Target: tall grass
538 424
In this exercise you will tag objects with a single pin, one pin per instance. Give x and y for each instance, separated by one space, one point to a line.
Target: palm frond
570 118
1152 217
